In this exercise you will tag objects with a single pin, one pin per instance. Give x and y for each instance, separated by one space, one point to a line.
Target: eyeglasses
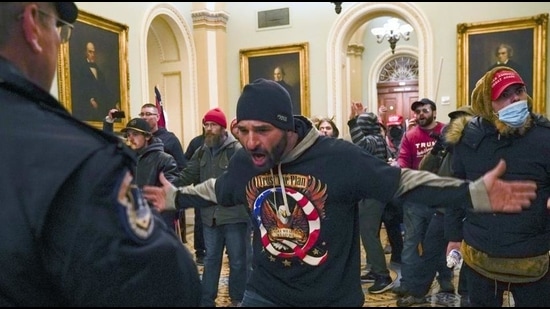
422 110
147 114
64 29
212 125
508 93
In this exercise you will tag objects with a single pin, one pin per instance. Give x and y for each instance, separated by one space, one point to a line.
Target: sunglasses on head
422 110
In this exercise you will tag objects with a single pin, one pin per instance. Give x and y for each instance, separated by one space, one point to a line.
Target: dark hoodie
152 160
478 146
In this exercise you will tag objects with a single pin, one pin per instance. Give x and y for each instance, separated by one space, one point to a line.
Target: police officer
74 231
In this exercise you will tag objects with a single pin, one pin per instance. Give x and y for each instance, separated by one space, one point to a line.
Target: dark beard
276 154
426 122
212 140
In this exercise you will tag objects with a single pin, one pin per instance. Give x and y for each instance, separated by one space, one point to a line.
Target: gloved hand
438 147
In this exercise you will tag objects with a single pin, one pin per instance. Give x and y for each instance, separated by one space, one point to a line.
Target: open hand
508 196
157 196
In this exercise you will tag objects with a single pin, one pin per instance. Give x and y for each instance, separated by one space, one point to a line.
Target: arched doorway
339 37
397 86
170 63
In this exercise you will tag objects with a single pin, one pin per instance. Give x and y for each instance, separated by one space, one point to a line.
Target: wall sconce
392 31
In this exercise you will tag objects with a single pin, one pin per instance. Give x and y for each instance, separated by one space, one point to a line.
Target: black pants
392 217
198 238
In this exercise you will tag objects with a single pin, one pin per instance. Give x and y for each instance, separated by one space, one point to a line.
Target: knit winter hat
266 100
215 115
368 122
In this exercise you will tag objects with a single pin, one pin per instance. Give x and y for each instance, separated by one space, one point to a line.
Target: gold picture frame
478 44
292 59
89 91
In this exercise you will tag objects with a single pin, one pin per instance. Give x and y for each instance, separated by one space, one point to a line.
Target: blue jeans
234 237
416 219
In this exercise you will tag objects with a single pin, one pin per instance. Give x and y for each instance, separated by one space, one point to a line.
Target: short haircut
149 105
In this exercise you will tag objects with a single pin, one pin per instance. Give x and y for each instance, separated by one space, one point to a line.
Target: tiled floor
386 299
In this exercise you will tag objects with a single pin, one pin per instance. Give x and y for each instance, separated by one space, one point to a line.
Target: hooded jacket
209 163
366 133
478 145
152 160
306 234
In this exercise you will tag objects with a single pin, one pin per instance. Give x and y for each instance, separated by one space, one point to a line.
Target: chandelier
392 31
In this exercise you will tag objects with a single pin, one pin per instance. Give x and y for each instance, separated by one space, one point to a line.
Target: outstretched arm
164 198
487 194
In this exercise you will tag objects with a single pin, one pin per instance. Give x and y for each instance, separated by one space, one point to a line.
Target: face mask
514 114
396 132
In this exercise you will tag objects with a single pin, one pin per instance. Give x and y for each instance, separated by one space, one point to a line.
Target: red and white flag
158 101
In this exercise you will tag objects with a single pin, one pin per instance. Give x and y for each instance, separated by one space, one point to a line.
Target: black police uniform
73 231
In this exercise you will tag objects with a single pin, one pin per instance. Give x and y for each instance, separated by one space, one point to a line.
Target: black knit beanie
266 100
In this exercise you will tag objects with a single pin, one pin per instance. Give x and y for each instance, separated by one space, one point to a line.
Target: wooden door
397 97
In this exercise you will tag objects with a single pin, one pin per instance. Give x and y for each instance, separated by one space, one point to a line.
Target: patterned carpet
386 299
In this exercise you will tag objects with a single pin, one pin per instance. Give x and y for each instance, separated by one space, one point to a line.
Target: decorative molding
209 19
356 49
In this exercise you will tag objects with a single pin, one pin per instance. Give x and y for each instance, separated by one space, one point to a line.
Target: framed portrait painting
286 64
519 43
93 70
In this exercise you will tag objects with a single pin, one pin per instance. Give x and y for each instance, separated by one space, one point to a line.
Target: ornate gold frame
477 40
113 37
260 62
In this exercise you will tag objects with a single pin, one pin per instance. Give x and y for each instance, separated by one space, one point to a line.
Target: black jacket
172 146
525 234
73 232
152 160
209 163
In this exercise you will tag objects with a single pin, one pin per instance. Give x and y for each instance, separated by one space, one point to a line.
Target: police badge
136 215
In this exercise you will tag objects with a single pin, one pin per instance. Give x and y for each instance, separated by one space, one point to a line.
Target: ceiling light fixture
392 31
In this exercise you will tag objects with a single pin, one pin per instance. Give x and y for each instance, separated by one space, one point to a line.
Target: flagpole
158 102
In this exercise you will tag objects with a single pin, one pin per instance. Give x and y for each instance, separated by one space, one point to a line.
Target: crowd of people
90 218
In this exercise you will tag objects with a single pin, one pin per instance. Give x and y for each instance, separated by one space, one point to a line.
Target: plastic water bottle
454 258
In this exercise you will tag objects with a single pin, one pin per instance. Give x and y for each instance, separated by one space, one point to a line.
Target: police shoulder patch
136 216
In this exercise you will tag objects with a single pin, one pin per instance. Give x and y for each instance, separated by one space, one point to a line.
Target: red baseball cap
395 120
502 80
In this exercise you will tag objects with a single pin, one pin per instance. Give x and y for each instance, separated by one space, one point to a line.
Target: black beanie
267 101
